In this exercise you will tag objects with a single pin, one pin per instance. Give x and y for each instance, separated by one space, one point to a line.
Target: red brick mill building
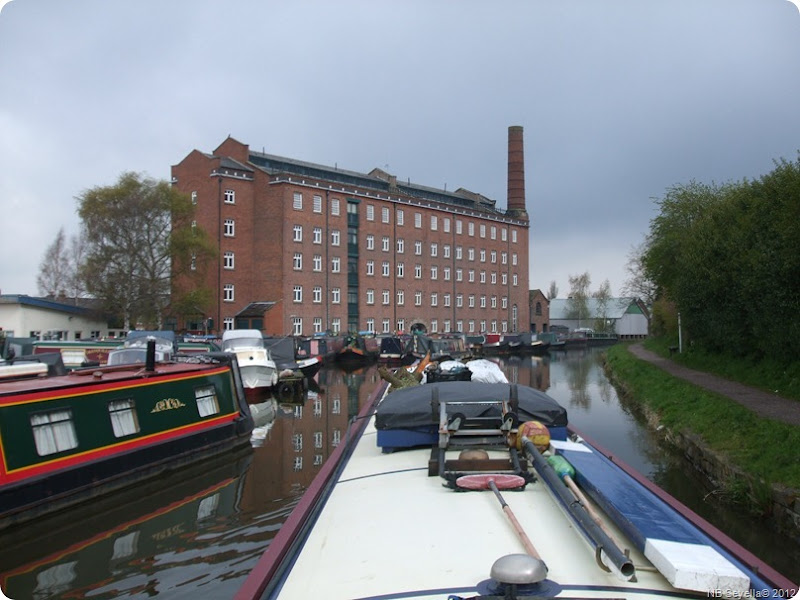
305 248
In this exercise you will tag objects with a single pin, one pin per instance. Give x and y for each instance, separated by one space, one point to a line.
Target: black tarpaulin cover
410 407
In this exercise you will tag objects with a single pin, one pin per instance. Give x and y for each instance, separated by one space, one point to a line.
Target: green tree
553 290
603 297
132 248
578 302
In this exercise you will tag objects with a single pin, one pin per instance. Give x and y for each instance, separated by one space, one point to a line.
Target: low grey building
627 317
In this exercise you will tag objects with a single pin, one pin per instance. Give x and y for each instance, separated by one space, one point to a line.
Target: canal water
197 533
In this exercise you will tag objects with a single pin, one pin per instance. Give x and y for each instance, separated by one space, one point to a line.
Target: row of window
473 326
229 197
297 236
336 297
434 220
55 432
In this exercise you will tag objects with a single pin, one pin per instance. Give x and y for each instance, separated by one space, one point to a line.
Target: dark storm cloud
619 101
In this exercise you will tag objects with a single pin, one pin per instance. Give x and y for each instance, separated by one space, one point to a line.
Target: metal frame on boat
391 517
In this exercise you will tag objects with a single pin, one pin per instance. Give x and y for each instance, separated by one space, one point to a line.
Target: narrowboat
66 439
354 350
458 490
392 348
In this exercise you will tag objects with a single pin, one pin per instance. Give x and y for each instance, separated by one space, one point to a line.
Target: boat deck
389 530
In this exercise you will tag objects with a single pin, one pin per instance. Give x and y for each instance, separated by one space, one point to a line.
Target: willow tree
132 248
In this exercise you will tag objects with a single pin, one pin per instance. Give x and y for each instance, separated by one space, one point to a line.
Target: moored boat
255 363
65 439
449 491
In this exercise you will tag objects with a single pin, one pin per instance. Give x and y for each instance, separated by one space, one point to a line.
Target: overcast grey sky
619 99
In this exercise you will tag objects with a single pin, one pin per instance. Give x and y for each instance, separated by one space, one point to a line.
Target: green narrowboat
66 439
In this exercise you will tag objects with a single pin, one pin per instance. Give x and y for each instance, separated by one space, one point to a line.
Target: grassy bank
766 449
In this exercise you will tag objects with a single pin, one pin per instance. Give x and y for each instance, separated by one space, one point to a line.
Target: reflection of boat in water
255 363
67 439
124 532
410 506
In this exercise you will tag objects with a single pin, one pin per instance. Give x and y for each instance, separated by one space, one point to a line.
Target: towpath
764 404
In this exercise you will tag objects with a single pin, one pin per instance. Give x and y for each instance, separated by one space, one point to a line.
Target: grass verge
767 450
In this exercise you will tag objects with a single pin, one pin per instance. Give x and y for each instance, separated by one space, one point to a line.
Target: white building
47 319
628 317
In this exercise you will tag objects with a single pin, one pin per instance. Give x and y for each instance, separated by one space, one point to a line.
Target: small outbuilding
50 319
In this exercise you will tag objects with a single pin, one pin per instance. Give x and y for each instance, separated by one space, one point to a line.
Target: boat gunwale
297 526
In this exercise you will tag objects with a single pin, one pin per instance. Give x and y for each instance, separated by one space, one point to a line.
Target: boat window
123 417
207 403
53 432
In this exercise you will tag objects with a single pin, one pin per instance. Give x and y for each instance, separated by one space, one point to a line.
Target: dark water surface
198 533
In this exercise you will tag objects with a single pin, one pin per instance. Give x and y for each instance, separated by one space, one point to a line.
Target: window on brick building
472 300
385 214
471 229
317 235
400 217
401 270
336 265
228 260
297 261
418 220
335 207
194 197
230 197
434 326
229 228
316 295
227 323
494 302
459 303
317 204
297 233
370 324
417 271
336 325
385 297
317 263
385 268
385 243
228 293
434 223
336 296
446 299
434 299
401 297
297 295
370 267
493 232
434 272
417 298
434 250
446 251
317 324
514 280
401 246
336 237
459 226
297 326
370 212
386 325
370 242
370 296
418 248
297 201
401 324
446 225
193 264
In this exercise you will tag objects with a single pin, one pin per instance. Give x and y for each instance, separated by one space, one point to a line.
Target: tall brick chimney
516 174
